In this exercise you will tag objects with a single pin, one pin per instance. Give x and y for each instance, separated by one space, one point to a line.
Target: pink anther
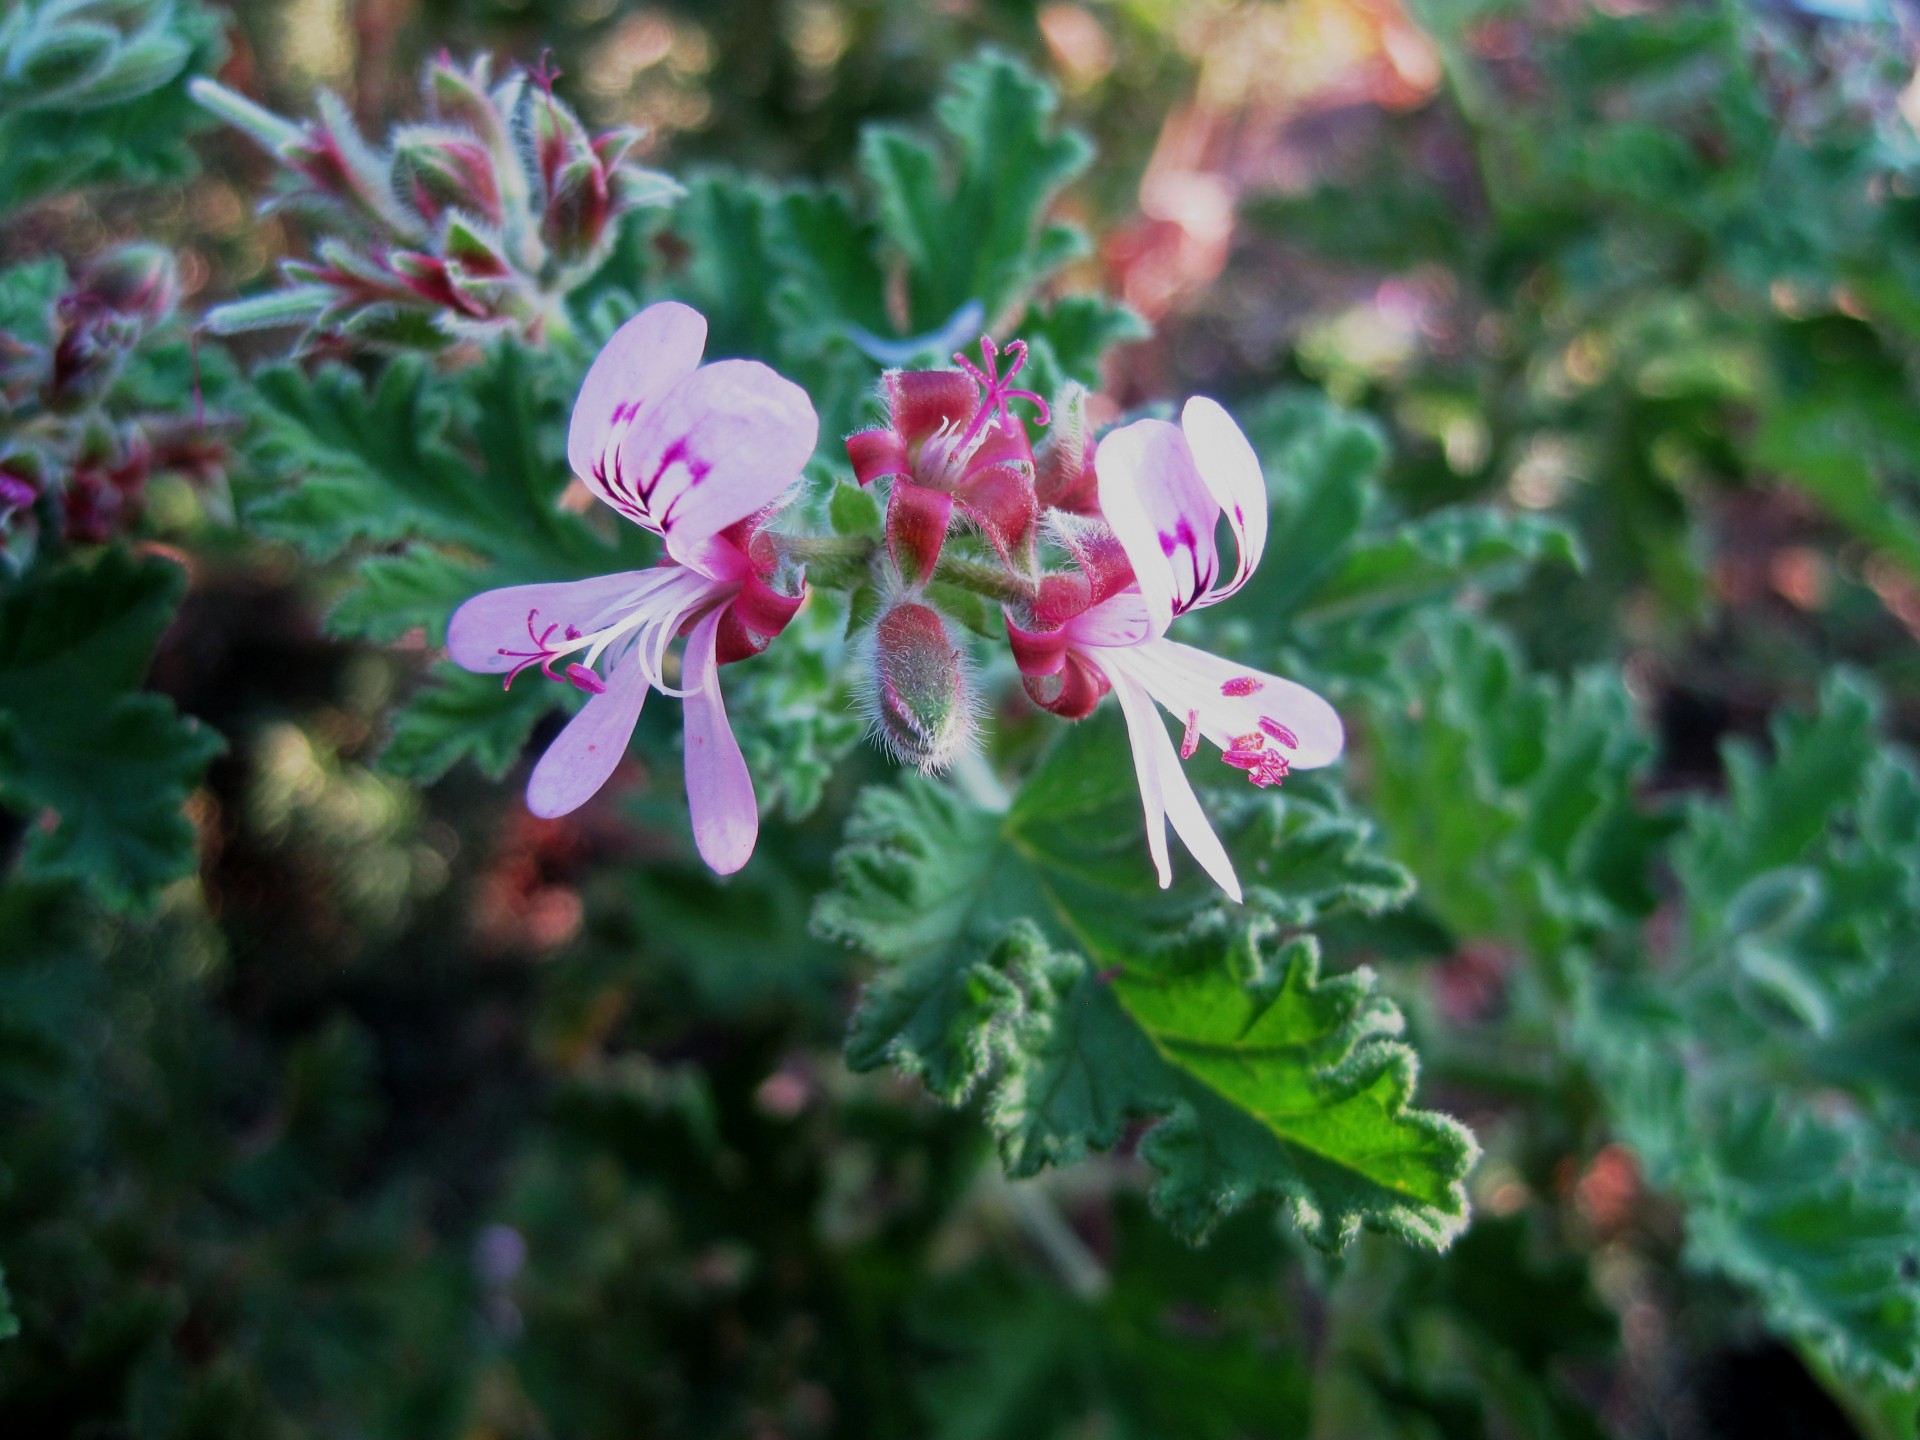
1279 732
1240 686
1190 741
586 680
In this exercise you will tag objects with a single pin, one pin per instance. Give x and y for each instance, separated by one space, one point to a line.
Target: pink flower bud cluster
74 465
479 218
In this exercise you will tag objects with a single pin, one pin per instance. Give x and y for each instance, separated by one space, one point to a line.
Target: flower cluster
477 220
75 457
705 456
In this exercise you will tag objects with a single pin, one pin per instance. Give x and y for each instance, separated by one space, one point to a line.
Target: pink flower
1163 490
700 455
950 439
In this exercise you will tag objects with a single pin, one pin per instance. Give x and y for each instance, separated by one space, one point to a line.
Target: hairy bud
139 281
921 706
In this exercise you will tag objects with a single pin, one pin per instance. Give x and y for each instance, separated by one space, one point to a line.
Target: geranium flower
1163 490
950 439
700 455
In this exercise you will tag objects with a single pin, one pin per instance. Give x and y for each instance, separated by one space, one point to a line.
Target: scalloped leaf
101 770
1031 951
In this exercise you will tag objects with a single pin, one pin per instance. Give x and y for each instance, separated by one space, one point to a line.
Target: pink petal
1231 472
1232 700
578 763
1165 791
725 442
647 356
1122 620
726 817
1155 501
499 620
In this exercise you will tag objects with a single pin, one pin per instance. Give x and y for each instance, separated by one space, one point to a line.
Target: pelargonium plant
707 456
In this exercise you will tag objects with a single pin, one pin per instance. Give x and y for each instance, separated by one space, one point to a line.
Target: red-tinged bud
579 205
20 483
552 137
139 282
1064 478
436 171
922 703
463 98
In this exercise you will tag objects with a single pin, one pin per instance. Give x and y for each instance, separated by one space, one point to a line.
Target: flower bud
138 281
435 171
922 703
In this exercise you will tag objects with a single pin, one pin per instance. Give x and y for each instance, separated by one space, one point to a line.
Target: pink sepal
1072 693
1000 501
1036 652
921 401
917 520
877 454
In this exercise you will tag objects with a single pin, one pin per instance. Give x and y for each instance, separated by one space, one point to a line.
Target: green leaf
9 1322
1032 952
126 119
461 716
1538 838
1437 555
101 771
968 222
1764 1075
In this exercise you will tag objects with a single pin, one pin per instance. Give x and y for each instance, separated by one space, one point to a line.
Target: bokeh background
418 1117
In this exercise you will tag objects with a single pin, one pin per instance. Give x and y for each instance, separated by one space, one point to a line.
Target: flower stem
988 580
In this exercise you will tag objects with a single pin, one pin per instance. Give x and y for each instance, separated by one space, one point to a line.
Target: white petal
647 356
1165 791
1163 514
726 817
1231 472
725 442
1184 679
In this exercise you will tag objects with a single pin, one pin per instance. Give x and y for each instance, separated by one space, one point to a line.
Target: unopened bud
922 703
578 208
436 170
138 281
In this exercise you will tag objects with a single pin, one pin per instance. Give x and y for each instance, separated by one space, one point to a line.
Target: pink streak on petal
1231 472
1165 791
1154 499
497 620
724 443
726 817
578 763
647 356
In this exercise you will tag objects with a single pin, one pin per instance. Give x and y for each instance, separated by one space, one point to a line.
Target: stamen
1241 686
1279 732
998 388
1264 767
1190 742
586 680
